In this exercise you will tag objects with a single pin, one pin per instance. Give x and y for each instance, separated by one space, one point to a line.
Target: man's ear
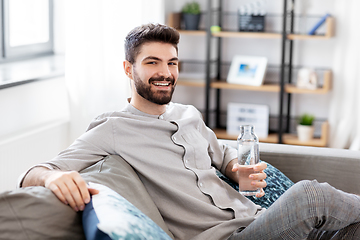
128 67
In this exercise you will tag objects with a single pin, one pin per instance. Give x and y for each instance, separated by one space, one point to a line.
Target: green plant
306 119
191 8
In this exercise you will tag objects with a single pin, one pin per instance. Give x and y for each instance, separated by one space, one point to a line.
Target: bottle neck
247 134
247 129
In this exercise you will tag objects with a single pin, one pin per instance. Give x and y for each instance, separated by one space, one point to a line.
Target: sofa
35 213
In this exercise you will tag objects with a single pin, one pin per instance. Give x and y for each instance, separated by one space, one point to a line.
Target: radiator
21 151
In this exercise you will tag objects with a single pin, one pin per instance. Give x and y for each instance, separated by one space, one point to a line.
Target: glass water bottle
248 156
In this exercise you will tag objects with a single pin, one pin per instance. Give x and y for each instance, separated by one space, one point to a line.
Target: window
26 29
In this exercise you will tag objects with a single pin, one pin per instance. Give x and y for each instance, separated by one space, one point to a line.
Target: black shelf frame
286 67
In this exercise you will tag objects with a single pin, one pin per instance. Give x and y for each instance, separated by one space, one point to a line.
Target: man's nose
165 71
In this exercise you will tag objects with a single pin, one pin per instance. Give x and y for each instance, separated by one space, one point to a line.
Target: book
318 24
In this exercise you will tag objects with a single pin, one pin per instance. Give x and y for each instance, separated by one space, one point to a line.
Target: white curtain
94 50
345 106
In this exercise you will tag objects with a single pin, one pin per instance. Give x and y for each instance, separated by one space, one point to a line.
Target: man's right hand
68 186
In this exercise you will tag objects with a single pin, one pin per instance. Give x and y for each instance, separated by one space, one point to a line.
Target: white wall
33 126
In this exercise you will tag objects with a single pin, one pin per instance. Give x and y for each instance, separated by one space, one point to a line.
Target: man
175 154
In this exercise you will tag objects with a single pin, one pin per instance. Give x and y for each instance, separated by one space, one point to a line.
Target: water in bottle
248 156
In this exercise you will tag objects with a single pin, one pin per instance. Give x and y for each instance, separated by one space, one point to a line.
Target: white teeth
161 84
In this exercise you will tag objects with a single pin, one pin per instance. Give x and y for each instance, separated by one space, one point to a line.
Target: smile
162 84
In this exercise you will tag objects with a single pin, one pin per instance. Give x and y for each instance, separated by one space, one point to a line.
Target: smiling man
175 155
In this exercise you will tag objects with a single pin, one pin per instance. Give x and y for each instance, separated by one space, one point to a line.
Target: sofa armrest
339 167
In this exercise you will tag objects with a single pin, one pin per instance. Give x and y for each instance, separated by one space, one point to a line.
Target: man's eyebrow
174 59
158 59
151 58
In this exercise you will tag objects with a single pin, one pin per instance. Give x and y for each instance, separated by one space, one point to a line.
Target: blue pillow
109 216
277 184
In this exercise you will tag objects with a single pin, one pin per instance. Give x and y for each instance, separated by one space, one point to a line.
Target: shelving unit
285 88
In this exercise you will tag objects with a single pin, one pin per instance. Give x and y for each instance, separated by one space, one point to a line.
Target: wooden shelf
195 82
329 33
222 134
262 88
289 88
287 138
191 82
247 35
330 23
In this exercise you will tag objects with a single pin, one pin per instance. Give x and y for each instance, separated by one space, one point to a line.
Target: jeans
308 210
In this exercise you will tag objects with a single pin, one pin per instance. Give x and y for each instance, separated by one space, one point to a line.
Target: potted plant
191 15
305 128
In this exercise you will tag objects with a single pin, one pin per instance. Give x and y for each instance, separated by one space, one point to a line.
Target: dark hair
148 33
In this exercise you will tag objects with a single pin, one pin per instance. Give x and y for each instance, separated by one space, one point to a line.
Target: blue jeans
308 210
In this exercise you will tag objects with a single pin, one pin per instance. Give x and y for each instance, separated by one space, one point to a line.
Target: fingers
70 188
80 184
56 190
92 191
71 194
258 176
259 184
237 167
260 194
260 167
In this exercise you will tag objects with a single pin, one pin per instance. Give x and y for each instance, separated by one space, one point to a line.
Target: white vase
305 133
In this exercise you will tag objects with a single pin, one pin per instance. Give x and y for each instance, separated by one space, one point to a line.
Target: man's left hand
258 179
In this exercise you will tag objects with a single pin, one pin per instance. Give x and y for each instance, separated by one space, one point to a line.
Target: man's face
155 72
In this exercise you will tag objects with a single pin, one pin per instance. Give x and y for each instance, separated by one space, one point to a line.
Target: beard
159 97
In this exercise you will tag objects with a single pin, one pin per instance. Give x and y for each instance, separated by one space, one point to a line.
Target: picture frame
248 114
307 79
247 70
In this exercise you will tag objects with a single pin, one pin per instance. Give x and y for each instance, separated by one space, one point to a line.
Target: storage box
251 23
248 114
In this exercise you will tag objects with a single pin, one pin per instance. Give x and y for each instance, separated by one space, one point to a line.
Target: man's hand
233 171
257 179
69 187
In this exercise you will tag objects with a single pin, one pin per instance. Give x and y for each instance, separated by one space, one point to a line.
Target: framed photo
247 70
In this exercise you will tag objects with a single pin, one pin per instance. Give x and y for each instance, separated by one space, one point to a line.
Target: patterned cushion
90 221
277 184
110 216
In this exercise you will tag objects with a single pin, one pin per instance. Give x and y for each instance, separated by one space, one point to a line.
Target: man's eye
151 63
173 63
